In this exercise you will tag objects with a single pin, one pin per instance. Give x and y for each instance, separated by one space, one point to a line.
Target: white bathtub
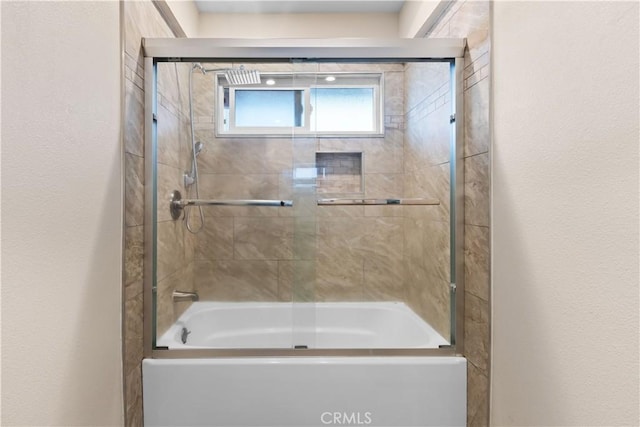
305 390
307 325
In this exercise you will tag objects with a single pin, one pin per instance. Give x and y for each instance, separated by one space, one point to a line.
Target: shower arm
177 203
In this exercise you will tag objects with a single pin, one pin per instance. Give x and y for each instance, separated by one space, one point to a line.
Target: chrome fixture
177 203
179 296
235 76
184 334
416 201
190 176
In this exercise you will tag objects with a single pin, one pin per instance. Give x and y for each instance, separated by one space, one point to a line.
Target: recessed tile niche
339 172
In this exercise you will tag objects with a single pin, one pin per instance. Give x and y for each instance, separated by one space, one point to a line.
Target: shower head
242 76
197 148
235 76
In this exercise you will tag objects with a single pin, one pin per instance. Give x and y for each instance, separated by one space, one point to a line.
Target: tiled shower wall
471 20
175 245
354 253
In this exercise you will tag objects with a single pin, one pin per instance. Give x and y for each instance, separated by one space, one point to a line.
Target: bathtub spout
184 296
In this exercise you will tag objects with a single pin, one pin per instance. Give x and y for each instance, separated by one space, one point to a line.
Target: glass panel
359 275
268 108
426 164
342 109
304 177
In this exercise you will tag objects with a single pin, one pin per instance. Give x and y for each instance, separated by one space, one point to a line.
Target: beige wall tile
352 145
305 238
426 271
422 80
340 237
233 156
203 94
340 211
133 255
263 238
384 279
476 332
133 326
384 155
477 261
278 155
339 277
215 240
429 297
173 85
133 190
477 397
476 129
169 138
296 280
304 151
384 185
134 119
233 280
170 248
394 93
133 396
476 190
239 186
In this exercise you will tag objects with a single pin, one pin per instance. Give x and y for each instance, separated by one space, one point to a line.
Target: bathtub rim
166 353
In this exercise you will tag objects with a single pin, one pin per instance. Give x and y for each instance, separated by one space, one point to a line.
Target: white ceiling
299 6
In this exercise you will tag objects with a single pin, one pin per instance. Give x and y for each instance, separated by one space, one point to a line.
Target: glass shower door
363 150
303 181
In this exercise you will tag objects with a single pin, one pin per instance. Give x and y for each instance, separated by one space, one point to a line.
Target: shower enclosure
304 198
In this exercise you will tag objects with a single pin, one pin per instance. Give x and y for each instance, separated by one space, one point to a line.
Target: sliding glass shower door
315 208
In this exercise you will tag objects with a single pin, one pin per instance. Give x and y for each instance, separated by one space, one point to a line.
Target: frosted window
342 109
268 108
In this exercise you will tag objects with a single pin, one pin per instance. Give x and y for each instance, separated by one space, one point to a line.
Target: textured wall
61 214
565 206
296 25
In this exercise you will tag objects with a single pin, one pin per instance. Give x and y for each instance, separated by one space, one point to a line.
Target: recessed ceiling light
330 78
270 82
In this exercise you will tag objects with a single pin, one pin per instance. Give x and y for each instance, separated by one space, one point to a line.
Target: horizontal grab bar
251 202
392 201
177 203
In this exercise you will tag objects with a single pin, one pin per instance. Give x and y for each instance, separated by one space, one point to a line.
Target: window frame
305 129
